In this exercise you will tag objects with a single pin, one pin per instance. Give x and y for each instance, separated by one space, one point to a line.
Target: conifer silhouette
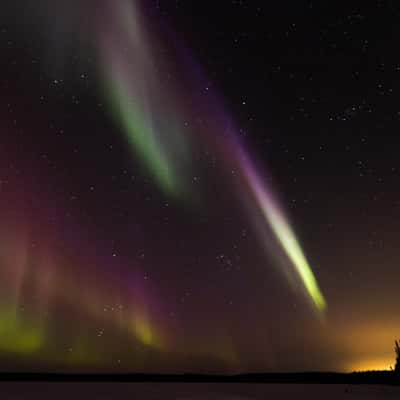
397 350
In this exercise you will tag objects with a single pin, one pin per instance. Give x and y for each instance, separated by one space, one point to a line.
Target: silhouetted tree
397 350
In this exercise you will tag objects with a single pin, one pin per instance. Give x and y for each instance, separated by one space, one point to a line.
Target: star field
198 187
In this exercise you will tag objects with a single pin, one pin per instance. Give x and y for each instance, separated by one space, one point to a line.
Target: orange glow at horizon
384 363
367 345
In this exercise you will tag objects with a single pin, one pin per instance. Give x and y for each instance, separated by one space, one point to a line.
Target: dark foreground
192 391
356 378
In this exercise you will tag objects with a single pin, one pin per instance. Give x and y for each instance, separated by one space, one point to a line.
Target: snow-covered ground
193 391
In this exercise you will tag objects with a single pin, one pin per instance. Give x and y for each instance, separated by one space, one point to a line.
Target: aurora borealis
169 206
153 131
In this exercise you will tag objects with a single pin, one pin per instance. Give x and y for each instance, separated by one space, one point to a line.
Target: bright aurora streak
284 234
152 122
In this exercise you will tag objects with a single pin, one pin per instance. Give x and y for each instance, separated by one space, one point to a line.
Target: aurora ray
283 232
141 100
149 120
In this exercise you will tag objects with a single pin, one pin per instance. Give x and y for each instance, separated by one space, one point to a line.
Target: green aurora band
284 234
141 100
150 122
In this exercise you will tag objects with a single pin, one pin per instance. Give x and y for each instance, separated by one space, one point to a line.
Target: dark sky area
199 186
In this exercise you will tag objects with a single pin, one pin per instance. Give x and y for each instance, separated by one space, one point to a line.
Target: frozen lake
193 391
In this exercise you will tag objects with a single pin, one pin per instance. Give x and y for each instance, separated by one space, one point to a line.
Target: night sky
199 186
